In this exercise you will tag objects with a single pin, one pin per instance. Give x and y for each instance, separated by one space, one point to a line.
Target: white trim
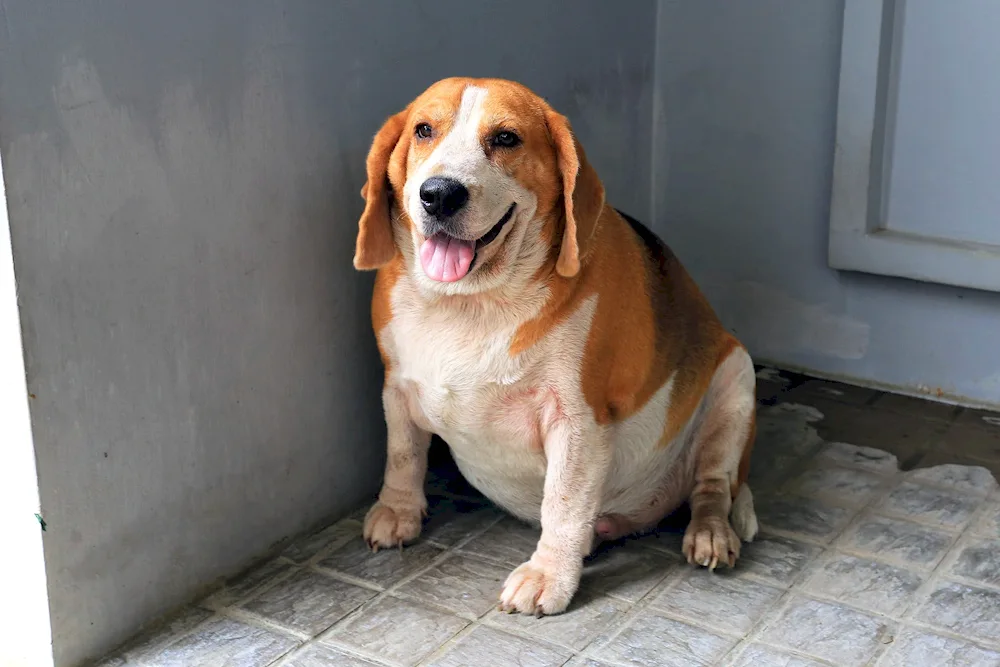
859 239
25 628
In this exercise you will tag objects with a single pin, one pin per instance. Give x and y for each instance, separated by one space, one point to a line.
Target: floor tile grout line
594 595
932 583
255 620
350 651
730 657
223 612
983 512
215 612
769 615
393 591
669 581
328 549
485 621
837 545
944 632
482 621
890 484
345 578
793 485
873 511
452 641
263 587
780 605
347 620
767 531
934 574
455 639
923 570
281 558
436 606
796 587
233 611
141 662
344 647
611 594
909 476
877 511
874 504
952 558
695 622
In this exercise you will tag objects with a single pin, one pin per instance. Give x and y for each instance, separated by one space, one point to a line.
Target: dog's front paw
391 526
711 540
539 589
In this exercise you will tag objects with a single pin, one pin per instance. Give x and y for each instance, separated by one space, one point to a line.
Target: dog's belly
495 436
648 479
510 476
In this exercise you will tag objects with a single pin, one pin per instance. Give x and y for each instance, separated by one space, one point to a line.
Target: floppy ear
375 245
583 195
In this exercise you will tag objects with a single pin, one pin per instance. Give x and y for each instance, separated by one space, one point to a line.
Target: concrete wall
745 108
182 182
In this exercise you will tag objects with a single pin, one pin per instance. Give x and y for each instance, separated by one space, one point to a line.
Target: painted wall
182 182
745 113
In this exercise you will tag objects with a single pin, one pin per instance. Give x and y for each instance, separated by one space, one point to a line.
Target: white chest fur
493 409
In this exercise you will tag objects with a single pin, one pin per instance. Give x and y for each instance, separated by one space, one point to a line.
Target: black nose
443 197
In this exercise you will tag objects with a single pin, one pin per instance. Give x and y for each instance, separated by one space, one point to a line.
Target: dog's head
476 180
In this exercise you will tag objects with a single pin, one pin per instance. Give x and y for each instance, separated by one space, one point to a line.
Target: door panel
916 189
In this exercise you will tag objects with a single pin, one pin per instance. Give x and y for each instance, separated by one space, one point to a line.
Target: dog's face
485 181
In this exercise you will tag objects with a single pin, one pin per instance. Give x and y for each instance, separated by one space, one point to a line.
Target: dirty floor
880 545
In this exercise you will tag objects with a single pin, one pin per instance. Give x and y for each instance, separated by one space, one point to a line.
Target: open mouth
448 259
494 232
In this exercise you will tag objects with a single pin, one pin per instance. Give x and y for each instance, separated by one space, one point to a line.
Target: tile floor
880 545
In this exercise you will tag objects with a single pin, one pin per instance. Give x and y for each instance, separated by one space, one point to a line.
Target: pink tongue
446 259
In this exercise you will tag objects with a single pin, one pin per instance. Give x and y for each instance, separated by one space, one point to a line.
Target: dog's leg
722 439
397 516
578 457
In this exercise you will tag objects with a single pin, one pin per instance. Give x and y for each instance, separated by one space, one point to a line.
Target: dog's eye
424 131
506 139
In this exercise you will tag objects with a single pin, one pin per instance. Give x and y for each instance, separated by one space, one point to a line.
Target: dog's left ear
583 195
375 245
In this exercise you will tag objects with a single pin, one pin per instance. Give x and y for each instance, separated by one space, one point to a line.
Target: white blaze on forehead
470 112
460 154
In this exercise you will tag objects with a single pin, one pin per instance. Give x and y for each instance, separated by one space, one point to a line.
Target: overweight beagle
558 346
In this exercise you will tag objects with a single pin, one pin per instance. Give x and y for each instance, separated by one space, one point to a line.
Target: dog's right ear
376 246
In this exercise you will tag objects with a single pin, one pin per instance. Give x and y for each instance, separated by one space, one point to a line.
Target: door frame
860 239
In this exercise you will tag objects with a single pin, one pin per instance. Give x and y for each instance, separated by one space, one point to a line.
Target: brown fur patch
385 280
651 322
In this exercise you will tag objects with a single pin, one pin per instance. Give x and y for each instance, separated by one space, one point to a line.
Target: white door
916 187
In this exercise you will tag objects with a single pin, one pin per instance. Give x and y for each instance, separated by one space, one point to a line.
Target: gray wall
182 182
745 106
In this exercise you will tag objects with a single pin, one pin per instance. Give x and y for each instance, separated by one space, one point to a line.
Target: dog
577 373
